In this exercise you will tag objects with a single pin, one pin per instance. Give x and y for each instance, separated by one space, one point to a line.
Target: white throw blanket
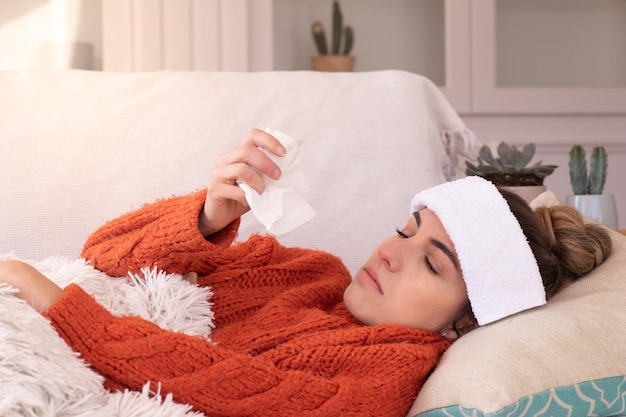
41 376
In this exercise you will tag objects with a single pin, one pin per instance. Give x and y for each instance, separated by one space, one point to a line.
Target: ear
464 325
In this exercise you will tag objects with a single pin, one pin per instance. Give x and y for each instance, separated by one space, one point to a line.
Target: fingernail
281 150
277 173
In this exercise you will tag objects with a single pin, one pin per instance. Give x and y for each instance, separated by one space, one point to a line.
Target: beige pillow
565 358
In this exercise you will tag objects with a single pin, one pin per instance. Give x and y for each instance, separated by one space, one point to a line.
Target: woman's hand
33 286
225 201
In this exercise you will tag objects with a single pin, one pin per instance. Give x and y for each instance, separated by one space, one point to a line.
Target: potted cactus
338 57
510 169
588 184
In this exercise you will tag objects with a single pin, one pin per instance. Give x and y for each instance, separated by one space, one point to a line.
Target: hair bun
578 246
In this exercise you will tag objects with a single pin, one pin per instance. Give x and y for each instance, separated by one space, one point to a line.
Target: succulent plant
510 168
583 182
319 36
578 170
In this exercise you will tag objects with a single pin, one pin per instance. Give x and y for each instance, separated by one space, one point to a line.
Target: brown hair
566 248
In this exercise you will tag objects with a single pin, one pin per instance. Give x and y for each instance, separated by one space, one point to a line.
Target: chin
356 305
347 296
351 300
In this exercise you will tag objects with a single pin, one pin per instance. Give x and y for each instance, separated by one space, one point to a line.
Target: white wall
26 26
384 32
531 53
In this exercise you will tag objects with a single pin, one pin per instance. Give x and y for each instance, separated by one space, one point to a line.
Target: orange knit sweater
284 343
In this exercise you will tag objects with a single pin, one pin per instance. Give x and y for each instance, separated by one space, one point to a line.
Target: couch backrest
79 148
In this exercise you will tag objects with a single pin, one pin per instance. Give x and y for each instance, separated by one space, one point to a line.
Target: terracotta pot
333 63
600 208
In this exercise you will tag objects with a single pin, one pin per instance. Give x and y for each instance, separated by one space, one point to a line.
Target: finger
232 173
225 192
259 160
252 152
253 157
260 138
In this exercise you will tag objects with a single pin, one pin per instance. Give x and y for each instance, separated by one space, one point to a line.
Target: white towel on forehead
498 266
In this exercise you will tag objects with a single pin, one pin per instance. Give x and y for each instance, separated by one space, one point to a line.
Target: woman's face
412 279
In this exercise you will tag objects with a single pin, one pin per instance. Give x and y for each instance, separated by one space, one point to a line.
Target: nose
389 252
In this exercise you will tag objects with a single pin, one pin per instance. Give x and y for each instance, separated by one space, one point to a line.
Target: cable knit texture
284 345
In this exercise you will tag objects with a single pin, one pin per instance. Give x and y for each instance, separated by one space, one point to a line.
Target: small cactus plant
510 168
338 32
584 182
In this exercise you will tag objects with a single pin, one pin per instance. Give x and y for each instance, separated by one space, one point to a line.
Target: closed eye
430 266
426 260
402 234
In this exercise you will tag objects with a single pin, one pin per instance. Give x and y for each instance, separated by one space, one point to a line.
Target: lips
369 277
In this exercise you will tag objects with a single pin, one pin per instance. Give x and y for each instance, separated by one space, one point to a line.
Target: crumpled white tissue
281 207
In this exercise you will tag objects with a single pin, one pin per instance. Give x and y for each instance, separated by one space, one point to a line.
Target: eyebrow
439 244
445 250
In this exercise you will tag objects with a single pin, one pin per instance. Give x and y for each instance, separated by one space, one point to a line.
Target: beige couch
82 147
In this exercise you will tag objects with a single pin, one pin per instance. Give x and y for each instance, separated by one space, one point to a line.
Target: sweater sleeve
163 234
243 276
129 352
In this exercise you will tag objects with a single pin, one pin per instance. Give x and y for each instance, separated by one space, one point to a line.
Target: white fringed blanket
41 376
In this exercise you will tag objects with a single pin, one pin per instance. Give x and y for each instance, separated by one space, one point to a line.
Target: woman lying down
295 333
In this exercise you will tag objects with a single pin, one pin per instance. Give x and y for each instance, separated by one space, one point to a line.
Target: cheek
429 306
452 304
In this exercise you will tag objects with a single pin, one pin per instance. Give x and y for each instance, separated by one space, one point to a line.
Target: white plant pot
597 207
